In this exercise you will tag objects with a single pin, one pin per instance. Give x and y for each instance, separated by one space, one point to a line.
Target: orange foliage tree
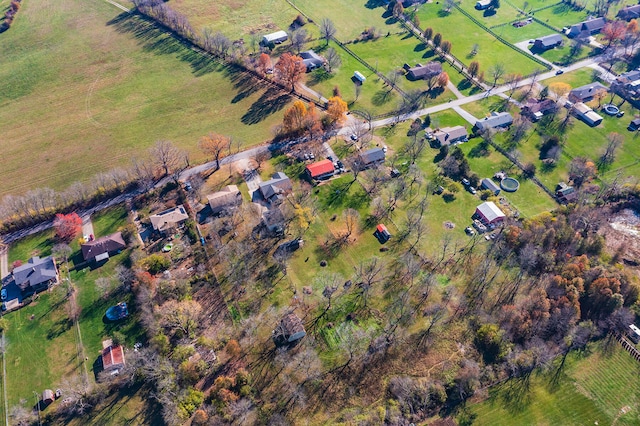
443 79
264 63
337 110
67 226
294 117
289 69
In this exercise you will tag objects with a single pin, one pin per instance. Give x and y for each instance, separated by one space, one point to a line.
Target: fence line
628 346
500 38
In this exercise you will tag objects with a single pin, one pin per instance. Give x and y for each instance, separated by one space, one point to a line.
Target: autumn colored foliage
67 226
337 109
289 69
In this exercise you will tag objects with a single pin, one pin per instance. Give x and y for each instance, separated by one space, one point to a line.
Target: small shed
634 125
382 233
634 333
483 4
48 396
358 76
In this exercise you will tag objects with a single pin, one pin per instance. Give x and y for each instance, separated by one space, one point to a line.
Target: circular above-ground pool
117 312
611 109
509 184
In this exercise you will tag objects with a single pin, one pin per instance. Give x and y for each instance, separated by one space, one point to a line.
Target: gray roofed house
627 84
586 28
535 109
489 184
100 248
548 42
372 157
228 197
585 93
427 71
311 60
449 135
274 189
37 274
565 193
630 12
168 219
495 120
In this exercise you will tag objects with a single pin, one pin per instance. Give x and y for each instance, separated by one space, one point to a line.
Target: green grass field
528 32
562 55
490 52
80 101
601 388
109 221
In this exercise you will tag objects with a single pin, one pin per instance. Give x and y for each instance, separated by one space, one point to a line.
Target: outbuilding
490 185
489 214
275 38
289 331
547 42
358 76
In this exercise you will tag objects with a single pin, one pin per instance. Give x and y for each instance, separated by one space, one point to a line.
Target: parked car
472 190
3 294
559 72
469 230
466 182
340 164
354 137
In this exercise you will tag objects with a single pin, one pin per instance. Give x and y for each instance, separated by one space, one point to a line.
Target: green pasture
467 34
599 387
105 91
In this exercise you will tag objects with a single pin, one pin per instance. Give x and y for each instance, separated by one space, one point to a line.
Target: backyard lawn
109 221
600 387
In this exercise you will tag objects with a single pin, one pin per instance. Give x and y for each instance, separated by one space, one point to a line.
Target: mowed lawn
41 347
601 388
464 34
86 88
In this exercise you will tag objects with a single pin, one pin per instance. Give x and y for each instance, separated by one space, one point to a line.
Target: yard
107 91
599 387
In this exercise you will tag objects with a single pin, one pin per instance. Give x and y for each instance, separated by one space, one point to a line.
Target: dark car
559 72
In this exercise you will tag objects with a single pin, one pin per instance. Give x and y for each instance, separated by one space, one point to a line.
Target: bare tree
496 72
298 39
166 156
333 59
614 140
351 221
327 30
368 273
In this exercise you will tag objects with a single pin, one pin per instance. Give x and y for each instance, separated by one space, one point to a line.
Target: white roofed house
494 121
451 135
169 219
227 198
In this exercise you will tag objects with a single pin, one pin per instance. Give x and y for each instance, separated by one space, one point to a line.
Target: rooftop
106 244
36 271
320 168
490 211
168 218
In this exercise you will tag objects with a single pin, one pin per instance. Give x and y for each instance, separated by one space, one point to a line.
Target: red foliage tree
289 69
67 226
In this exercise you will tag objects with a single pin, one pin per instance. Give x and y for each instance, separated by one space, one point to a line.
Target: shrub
156 263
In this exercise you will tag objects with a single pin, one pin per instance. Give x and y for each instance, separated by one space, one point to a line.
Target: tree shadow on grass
159 41
381 97
516 394
271 101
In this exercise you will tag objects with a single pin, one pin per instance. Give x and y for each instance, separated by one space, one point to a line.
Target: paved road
4 262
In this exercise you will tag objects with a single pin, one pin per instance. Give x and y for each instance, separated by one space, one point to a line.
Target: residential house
289 331
627 85
586 93
483 4
534 109
311 60
169 219
586 28
586 114
371 157
494 121
100 248
227 198
320 170
487 183
489 214
424 72
112 356
565 193
275 38
547 42
451 135
630 12
275 189
36 275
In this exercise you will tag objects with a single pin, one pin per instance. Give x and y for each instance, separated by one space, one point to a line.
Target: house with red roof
112 356
320 170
